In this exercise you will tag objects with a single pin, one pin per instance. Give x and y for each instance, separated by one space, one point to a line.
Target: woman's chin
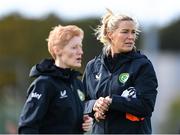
76 66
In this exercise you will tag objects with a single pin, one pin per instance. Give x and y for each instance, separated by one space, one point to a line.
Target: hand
88 122
101 105
108 100
99 116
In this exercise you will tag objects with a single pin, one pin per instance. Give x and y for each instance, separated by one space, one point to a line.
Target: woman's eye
134 32
124 32
73 47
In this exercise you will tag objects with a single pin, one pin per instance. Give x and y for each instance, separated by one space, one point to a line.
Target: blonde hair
61 35
109 23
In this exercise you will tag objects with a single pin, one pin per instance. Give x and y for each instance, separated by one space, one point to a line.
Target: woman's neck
113 52
58 63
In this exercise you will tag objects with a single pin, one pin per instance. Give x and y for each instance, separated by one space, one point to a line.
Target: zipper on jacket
110 83
77 103
109 94
105 122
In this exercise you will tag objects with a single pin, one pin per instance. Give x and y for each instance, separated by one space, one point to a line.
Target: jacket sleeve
35 107
89 102
145 85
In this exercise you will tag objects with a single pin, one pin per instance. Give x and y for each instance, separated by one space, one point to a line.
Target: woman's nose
80 51
131 35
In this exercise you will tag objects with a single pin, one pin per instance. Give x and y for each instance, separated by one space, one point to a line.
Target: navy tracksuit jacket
53 105
107 76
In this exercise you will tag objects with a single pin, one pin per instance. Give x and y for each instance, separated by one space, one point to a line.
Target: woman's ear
57 50
109 34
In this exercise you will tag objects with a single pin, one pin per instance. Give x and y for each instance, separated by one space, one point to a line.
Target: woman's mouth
78 59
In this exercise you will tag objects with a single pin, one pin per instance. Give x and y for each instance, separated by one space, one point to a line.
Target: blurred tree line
169 37
172 124
23 44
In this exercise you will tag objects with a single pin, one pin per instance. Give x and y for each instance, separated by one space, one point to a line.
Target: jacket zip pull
72 87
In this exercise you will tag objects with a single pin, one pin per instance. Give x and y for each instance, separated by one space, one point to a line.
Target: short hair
109 23
61 35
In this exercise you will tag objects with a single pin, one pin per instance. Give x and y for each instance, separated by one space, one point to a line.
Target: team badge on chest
123 77
81 95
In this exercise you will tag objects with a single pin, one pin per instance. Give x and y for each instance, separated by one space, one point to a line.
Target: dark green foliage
172 124
23 40
170 37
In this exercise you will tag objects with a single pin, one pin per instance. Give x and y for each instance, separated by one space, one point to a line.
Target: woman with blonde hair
120 84
55 98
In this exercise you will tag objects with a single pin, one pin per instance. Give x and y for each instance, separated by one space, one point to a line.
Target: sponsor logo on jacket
98 76
36 95
63 94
